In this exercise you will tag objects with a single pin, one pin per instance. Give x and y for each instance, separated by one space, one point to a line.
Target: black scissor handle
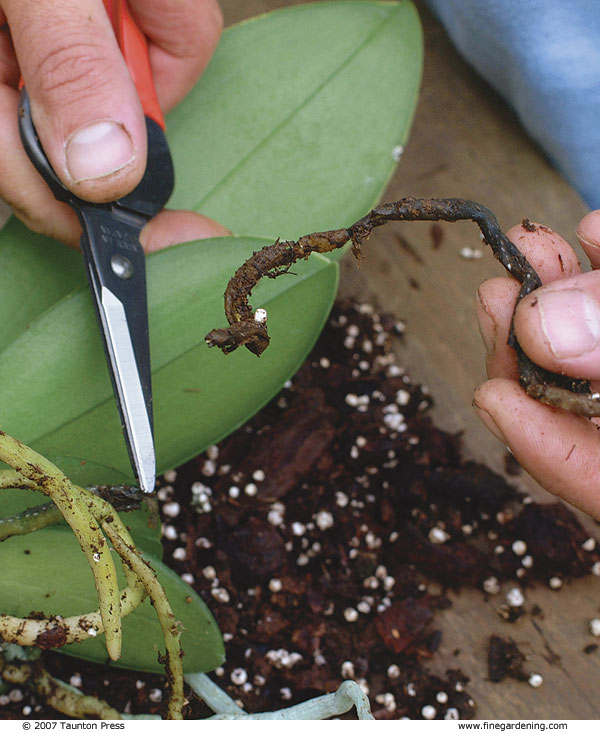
148 197
34 150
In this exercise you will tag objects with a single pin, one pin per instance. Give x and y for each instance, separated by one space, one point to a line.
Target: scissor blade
115 265
115 261
137 423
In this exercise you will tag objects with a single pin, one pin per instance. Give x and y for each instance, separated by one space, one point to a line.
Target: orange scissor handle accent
134 47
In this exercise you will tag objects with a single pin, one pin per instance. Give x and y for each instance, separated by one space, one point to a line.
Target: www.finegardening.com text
513 725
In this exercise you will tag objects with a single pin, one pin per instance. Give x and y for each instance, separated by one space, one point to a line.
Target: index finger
588 233
182 39
552 258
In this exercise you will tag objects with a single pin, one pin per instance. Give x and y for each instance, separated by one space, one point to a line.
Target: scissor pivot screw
121 266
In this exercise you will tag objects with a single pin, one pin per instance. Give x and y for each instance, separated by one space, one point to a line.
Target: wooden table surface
465 142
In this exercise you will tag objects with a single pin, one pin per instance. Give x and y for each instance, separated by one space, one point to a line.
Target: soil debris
505 659
325 533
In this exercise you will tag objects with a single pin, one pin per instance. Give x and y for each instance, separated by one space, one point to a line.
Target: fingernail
489 422
583 239
98 150
570 320
590 220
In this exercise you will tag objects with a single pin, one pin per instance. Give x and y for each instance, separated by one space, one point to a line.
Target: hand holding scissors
110 243
78 81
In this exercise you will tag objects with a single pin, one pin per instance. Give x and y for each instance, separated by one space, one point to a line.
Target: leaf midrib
395 9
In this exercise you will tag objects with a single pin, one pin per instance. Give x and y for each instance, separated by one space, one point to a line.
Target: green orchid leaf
311 103
199 394
35 272
34 578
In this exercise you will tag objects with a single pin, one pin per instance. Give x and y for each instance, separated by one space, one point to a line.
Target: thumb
559 326
83 103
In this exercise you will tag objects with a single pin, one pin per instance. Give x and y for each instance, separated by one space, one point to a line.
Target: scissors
113 256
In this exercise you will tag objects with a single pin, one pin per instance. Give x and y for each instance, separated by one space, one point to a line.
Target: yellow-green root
69 499
55 693
169 625
88 515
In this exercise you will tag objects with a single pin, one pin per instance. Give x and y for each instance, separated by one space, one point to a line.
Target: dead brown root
249 328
